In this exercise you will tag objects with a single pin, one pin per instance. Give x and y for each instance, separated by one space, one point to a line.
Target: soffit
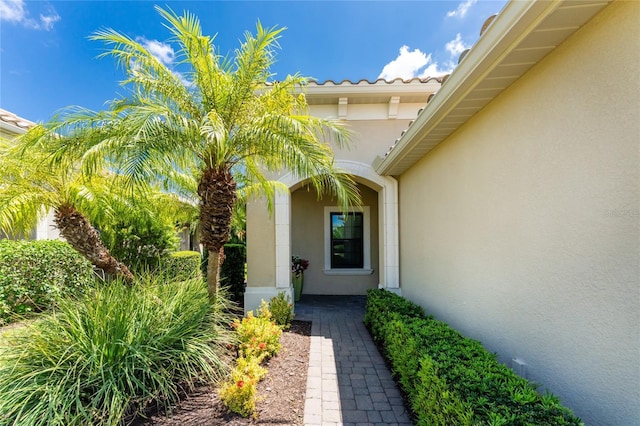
523 34
365 92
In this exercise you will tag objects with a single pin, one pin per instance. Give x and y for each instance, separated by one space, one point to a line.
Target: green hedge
34 274
450 379
232 271
181 265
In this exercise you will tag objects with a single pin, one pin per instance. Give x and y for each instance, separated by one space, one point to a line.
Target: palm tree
225 116
29 187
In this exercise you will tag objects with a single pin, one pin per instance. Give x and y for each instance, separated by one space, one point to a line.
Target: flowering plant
298 265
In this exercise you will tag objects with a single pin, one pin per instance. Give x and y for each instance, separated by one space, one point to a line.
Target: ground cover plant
35 274
450 379
258 339
101 359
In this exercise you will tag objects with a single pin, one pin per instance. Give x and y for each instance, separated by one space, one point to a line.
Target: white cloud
47 21
14 11
456 46
406 65
462 9
162 51
415 63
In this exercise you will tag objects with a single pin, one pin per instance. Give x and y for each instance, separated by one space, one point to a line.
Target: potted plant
298 265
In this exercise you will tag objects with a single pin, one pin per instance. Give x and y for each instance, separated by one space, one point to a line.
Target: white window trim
366 243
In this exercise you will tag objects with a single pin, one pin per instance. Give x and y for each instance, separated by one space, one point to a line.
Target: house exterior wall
307 235
272 237
369 138
522 228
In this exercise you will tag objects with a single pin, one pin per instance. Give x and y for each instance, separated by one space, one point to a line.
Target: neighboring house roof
11 123
523 34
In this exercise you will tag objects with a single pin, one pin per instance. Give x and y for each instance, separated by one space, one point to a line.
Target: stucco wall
369 138
307 235
261 255
522 229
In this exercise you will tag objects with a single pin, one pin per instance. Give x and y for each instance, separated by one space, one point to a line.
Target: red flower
240 383
262 346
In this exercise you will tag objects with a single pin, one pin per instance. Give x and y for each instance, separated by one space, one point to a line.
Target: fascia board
12 128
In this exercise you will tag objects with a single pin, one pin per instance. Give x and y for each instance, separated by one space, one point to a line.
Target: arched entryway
385 211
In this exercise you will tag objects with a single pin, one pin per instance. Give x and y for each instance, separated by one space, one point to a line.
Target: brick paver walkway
348 382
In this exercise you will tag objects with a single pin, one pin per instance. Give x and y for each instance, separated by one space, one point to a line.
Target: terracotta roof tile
378 81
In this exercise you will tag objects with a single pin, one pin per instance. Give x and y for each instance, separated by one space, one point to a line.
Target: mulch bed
282 391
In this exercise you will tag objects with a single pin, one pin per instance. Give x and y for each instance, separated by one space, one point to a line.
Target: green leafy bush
34 274
281 310
233 269
141 244
103 358
449 378
181 265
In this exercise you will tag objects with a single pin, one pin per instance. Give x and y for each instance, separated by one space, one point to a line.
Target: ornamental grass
102 359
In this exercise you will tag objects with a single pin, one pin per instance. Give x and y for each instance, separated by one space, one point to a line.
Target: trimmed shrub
102 359
181 265
449 378
34 274
232 271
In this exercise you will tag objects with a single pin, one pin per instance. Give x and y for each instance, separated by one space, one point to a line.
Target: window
347 245
347 248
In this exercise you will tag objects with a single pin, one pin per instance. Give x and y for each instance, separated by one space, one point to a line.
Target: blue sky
47 61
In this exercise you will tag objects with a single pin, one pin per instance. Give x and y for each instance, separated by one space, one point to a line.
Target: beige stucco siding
370 138
260 245
522 228
307 235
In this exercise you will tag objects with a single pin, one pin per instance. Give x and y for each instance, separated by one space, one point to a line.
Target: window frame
366 242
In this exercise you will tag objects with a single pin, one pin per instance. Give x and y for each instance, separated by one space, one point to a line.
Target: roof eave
515 22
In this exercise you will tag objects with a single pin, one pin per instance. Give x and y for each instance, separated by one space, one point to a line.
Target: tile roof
378 81
14 120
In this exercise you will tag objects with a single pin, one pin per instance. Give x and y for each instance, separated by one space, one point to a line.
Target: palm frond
144 71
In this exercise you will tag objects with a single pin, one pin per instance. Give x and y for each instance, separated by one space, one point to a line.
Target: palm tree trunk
217 191
78 231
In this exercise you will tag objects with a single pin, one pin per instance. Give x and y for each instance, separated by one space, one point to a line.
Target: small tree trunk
215 260
84 238
217 191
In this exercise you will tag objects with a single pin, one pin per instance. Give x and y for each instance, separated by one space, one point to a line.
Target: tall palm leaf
221 115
